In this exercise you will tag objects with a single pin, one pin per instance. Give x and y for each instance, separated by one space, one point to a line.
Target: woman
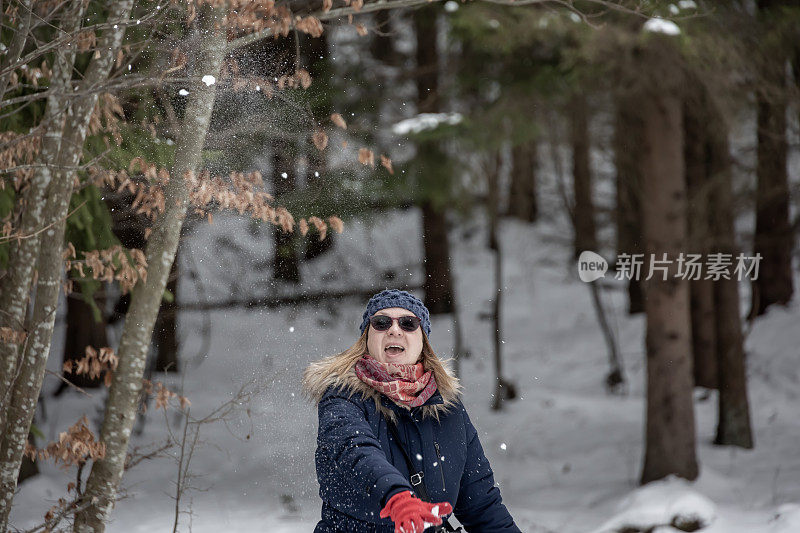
396 451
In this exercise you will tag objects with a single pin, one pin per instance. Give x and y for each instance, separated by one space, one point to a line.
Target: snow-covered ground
566 455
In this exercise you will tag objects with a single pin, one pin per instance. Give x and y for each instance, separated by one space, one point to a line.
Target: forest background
459 150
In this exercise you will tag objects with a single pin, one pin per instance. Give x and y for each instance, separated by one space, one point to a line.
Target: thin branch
179 485
133 459
9 238
328 15
66 510
68 382
381 5
65 38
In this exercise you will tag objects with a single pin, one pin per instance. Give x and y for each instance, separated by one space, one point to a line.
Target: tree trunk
438 283
585 235
29 468
382 43
670 431
15 285
522 197
103 481
704 340
286 267
82 331
167 326
773 238
503 390
26 388
733 426
628 133
318 54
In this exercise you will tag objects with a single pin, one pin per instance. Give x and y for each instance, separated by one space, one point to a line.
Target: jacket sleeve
480 506
352 468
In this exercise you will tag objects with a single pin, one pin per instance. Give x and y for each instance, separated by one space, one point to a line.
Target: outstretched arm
350 458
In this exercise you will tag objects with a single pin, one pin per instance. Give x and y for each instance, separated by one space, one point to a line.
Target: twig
49 525
68 382
133 459
9 238
181 474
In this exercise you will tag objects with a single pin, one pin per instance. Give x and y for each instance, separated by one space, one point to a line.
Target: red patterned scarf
406 384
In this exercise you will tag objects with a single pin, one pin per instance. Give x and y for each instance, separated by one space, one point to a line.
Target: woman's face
395 345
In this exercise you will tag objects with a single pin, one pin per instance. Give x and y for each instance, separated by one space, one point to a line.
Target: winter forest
597 200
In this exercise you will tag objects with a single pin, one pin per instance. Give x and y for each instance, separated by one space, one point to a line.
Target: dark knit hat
395 298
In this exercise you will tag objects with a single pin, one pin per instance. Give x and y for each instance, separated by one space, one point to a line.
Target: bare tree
15 285
26 386
103 481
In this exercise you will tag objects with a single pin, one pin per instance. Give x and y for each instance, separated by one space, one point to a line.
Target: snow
451 6
659 25
566 455
425 121
209 80
183 92
663 502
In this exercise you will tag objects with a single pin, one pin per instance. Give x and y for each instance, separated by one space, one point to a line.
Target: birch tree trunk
104 479
31 372
15 286
26 388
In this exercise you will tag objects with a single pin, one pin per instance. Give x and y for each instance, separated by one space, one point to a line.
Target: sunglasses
383 322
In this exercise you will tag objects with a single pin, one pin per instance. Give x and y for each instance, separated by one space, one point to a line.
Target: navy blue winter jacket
359 466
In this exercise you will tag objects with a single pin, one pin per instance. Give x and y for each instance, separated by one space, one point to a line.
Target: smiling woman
396 451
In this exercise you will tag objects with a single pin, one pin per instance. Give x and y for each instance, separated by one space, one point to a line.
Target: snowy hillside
566 455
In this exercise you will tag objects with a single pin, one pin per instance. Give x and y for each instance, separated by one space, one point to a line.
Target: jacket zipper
439 460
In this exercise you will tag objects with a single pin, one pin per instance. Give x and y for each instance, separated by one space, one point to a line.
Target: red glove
412 515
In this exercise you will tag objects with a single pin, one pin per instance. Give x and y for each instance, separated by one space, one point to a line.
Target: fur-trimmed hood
326 373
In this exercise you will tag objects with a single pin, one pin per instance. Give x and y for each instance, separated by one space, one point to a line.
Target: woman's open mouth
394 349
